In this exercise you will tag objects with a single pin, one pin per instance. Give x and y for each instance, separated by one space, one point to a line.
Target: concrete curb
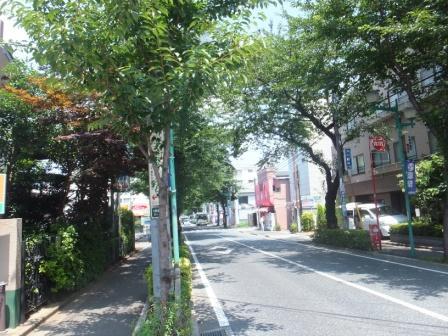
141 318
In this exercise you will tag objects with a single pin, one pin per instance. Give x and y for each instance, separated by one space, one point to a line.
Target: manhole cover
216 332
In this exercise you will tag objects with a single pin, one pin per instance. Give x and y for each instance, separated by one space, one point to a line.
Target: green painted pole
399 127
173 200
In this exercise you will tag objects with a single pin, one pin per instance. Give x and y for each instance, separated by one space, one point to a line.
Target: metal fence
35 284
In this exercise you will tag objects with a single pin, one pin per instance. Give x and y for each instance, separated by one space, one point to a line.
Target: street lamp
374 97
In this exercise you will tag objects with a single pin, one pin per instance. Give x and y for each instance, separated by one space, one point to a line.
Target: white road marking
365 257
347 283
219 312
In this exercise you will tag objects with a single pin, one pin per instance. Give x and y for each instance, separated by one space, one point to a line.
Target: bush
127 232
307 220
63 265
421 227
355 239
321 216
294 228
277 227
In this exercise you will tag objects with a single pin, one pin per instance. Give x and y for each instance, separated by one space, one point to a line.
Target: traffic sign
378 143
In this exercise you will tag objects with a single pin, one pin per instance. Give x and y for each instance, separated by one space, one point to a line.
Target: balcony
388 168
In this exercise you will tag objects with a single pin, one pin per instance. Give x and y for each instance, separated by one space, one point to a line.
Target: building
245 176
137 203
307 181
5 55
418 144
272 196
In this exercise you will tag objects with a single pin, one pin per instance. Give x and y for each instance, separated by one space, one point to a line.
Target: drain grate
216 332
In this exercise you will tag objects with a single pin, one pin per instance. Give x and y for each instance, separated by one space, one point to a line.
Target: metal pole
173 200
374 185
399 128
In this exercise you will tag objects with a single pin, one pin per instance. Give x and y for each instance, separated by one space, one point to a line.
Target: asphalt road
271 286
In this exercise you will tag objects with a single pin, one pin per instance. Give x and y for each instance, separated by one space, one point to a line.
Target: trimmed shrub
421 227
321 216
354 239
294 228
307 221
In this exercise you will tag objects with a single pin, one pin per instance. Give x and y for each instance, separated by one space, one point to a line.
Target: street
254 285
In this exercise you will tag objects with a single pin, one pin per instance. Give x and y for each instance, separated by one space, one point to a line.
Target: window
381 158
359 166
250 181
365 214
433 146
250 170
411 148
243 199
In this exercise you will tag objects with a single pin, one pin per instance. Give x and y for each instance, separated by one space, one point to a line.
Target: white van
362 215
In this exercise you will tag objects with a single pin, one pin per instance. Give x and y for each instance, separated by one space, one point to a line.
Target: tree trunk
164 245
330 201
217 211
224 214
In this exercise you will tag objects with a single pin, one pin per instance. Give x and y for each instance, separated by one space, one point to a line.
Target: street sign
411 178
378 143
155 212
348 159
2 193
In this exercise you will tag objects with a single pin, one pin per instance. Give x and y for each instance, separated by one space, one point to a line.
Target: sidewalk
110 306
388 248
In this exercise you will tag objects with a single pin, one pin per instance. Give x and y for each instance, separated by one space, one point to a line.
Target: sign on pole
348 159
2 193
411 179
378 143
155 212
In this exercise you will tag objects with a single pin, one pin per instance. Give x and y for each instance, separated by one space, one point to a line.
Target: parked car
201 219
362 215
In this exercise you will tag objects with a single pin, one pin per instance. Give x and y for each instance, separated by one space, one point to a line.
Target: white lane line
219 312
366 257
347 283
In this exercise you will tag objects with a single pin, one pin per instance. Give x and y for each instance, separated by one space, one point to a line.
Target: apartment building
418 144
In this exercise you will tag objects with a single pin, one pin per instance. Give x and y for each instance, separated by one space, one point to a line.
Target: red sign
378 143
375 236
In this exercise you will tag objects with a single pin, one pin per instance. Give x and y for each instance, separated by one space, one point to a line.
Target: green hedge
178 315
355 239
419 229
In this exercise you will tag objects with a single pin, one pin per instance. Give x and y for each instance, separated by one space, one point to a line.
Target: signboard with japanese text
155 212
2 193
411 179
378 143
348 159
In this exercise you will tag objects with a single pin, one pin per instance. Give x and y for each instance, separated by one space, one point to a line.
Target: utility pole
297 193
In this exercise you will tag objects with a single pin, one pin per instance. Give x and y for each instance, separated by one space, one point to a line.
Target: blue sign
348 158
411 177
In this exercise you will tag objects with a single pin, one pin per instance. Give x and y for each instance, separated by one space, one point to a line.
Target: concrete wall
11 267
